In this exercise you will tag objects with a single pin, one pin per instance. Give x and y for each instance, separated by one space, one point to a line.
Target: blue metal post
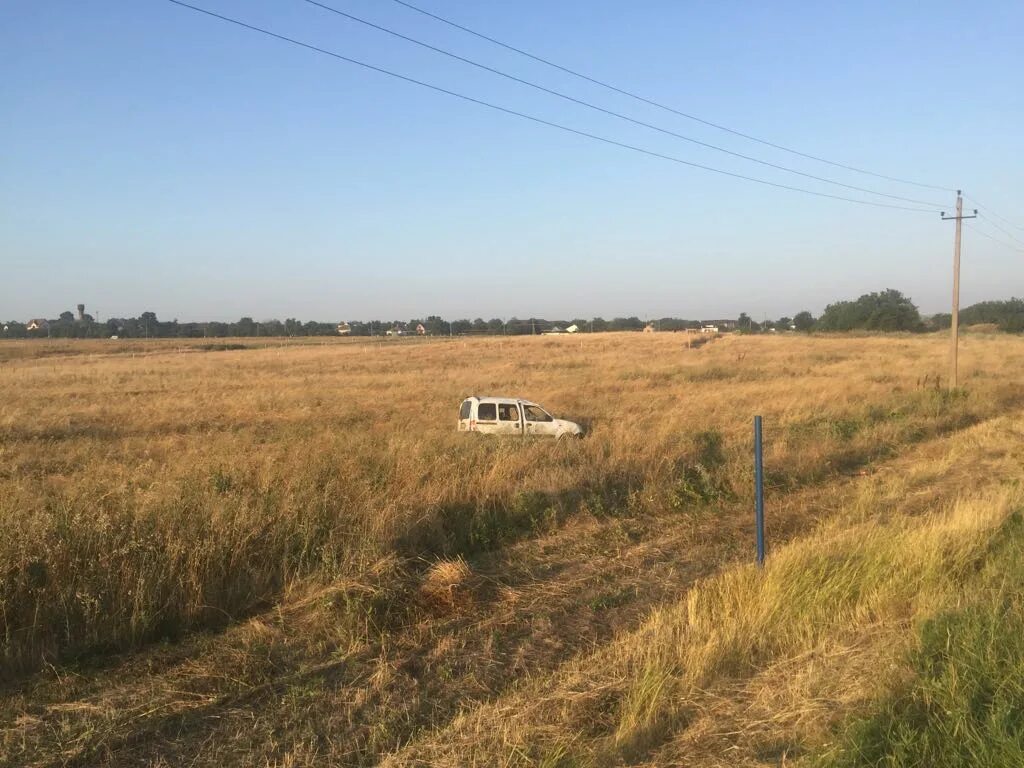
759 492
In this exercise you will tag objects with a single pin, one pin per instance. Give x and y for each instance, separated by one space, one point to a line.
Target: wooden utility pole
955 316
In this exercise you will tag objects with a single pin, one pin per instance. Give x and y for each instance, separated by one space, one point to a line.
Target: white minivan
512 416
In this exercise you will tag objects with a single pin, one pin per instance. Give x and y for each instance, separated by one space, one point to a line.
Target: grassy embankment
963 701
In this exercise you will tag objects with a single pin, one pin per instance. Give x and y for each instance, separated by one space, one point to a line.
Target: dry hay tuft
445 586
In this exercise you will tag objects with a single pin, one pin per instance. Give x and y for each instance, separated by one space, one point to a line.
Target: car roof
492 399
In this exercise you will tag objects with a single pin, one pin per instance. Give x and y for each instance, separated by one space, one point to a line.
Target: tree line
885 311
890 310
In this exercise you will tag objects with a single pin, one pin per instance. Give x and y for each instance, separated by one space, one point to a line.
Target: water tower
81 312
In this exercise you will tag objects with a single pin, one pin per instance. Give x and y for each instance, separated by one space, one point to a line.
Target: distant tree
626 324
672 324
271 328
495 325
940 321
744 323
246 326
522 327
889 310
598 325
436 325
783 323
804 321
479 326
66 317
1013 324
1007 315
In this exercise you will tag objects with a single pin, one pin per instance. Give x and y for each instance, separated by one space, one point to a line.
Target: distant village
544 327
81 324
887 310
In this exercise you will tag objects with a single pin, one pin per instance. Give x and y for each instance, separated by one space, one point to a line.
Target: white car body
512 416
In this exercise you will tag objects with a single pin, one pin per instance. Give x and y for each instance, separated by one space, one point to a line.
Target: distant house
554 330
649 328
719 326
396 331
37 325
420 330
344 329
573 329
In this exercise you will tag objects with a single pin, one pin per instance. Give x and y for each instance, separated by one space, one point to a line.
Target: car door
487 418
539 422
510 419
465 415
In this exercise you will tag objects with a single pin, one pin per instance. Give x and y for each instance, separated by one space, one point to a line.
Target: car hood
564 425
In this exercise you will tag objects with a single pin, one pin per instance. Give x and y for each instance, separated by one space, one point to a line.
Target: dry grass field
284 555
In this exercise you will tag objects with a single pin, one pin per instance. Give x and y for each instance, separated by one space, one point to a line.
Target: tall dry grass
153 491
667 692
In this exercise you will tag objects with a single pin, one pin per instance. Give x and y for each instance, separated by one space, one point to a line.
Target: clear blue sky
154 159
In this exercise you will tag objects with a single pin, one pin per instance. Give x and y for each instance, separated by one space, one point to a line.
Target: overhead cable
539 120
992 213
610 112
659 105
994 239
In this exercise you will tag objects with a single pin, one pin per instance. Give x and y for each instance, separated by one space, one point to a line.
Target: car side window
533 413
508 412
486 412
464 411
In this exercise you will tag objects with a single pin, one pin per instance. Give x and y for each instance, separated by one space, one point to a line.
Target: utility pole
955 315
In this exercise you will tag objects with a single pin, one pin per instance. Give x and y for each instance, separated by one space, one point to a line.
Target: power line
1003 243
993 213
1006 232
605 111
651 102
539 120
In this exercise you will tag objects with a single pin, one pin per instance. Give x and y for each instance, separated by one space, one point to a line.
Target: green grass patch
964 704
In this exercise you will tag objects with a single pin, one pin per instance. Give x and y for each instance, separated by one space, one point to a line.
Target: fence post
758 492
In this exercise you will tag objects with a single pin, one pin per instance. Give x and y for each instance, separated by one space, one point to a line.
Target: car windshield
536 413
